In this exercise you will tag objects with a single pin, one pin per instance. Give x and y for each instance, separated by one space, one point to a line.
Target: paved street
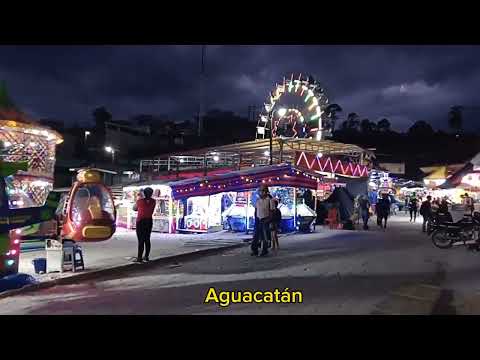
397 271
122 247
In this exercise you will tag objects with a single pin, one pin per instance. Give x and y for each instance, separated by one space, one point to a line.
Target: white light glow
33 144
182 160
108 149
7 144
216 158
282 112
319 155
266 153
87 133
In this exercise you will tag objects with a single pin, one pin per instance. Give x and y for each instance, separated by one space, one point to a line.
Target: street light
110 150
87 133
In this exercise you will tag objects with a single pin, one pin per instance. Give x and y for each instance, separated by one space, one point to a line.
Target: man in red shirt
145 208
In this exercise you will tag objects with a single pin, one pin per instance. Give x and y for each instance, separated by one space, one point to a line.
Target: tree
455 118
353 121
367 126
331 111
421 128
383 125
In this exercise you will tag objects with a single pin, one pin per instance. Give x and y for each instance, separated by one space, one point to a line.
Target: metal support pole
271 138
295 208
281 150
204 164
168 165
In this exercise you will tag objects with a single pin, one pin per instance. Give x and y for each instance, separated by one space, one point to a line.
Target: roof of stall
290 145
241 180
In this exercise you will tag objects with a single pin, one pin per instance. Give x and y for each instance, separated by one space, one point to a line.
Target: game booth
164 216
227 201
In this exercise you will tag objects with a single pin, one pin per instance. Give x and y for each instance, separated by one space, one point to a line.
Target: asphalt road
397 271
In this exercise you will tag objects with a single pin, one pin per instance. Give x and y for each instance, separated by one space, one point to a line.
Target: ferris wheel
297 108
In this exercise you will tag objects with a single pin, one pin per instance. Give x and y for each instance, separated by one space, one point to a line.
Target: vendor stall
164 219
286 183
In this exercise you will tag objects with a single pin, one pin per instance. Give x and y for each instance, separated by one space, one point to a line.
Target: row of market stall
448 181
227 201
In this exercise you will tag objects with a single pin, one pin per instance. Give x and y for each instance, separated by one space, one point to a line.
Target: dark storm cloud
402 83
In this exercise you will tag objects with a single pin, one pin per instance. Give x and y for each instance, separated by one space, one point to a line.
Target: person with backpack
413 207
275 225
426 212
145 208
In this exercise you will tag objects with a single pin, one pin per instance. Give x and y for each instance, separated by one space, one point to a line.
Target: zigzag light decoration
325 164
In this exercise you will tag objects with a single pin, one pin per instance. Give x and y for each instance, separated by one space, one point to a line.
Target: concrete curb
118 269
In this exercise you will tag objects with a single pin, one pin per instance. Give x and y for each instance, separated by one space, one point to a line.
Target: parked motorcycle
446 234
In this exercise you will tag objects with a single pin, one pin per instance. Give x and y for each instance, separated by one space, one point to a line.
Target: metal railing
182 163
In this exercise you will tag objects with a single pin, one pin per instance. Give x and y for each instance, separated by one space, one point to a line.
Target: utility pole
202 89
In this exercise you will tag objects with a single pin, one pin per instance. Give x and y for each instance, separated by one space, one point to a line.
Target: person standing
383 210
263 207
364 206
275 225
468 204
413 206
426 212
406 204
145 208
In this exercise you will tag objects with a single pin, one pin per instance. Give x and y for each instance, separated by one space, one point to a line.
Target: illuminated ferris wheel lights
282 112
309 95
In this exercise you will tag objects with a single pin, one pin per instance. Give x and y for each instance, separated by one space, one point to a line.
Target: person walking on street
275 225
413 206
426 212
383 210
145 208
364 206
406 204
264 208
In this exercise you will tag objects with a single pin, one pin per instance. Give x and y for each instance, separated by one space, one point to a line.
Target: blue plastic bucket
40 265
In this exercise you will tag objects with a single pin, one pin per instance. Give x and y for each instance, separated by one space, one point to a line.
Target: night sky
401 83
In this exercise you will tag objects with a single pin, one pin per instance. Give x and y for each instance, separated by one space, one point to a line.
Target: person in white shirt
263 209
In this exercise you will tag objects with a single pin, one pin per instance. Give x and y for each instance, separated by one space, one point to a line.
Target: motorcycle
446 234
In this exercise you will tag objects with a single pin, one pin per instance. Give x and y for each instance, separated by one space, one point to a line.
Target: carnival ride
296 108
13 219
89 213
26 198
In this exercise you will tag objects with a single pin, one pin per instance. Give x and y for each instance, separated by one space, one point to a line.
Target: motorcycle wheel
441 239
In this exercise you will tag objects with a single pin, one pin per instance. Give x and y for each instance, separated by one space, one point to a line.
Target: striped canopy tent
241 180
472 166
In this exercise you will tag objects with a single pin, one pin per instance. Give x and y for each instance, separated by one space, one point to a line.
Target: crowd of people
268 217
414 205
